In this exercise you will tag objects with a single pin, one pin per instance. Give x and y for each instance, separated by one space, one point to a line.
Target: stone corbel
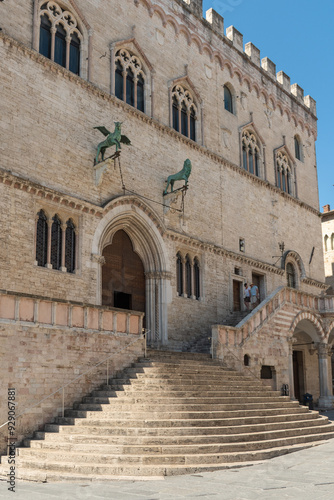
171 200
98 259
101 168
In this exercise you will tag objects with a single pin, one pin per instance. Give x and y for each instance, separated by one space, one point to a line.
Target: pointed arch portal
130 257
123 276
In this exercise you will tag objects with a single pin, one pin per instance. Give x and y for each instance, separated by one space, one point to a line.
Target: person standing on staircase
255 295
247 296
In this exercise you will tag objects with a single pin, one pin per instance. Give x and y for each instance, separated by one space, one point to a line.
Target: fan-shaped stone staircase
174 413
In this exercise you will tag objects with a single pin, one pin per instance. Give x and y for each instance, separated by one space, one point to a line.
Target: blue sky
298 36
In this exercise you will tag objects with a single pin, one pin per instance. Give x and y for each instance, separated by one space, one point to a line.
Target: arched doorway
123 278
139 229
305 360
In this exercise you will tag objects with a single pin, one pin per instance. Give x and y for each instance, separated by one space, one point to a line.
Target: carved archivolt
57 15
130 61
183 96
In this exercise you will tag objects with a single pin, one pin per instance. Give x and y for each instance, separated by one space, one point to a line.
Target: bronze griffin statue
114 138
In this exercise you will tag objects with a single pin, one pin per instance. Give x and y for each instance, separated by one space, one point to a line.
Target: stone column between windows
152 93
124 73
202 123
35 238
112 69
63 243
36 26
53 31
68 44
193 278
184 277
48 254
76 263
326 397
135 80
90 54
291 380
170 107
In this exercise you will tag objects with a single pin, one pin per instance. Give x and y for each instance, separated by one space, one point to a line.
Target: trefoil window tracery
283 173
184 112
250 153
59 36
129 79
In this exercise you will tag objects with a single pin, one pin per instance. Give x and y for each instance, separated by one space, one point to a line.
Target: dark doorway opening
298 374
236 296
122 300
258 280
123 278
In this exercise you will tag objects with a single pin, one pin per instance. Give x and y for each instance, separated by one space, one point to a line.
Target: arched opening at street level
305 364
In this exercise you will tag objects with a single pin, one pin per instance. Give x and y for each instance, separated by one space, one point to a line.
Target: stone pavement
304 475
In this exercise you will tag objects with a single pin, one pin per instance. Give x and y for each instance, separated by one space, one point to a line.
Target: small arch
295 258
306 320
246 360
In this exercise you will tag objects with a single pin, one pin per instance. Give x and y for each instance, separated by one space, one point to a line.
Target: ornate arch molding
141 224
329 329
145 230
83 25
294 258
312 319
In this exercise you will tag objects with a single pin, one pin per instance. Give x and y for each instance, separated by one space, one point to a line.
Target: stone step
142 429
232 418
79 441
111 397
178 404
175 384
68 471
237 411
213 410
160 455
154 367
173 413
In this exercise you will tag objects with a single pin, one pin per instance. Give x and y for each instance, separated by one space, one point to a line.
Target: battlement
216 22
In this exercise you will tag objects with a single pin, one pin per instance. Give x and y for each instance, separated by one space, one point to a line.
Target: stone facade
327 220
191 90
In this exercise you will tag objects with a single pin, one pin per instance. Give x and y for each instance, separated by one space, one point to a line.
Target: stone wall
45 344
49 143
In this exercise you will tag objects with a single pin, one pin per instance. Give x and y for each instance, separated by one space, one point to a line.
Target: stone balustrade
15 307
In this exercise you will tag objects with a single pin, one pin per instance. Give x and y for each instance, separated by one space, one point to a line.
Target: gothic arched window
179 275
290 275
41 239
283 173
184 112
56 242
129 79
228 100
70 246
60 38
250 153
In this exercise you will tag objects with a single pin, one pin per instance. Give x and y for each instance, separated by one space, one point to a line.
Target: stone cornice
312 282
47 194
218 250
